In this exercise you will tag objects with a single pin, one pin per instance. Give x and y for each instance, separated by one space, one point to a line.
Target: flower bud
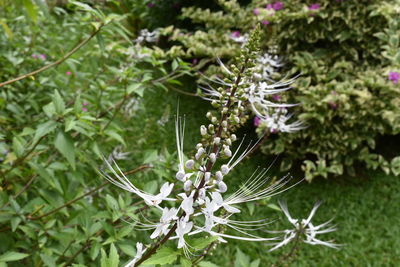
207 176
224 169
180 176
189 164
233 137
217 140
228 152
199 153
222 187
224 123
187 185
228 141
203 130
214 120
237 120
199 145
219 175
213 157
209 115
202 193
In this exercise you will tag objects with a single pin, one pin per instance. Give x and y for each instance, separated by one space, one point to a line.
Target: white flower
139 253
304 229
165 221
123 182
213 157
187 185
146 35
203 130
189 164
277 122
183 227
222 187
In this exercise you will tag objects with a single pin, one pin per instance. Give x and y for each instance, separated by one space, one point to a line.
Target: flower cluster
146 36
278 121
304 230
198 205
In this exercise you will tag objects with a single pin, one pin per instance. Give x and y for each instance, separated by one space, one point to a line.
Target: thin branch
58 62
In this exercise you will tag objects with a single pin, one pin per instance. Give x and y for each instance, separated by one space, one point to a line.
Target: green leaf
65 145
31 9
48 260
242 260
163 256
136 88
113 134
207 264
185 262
114 257
6 29
43 129
200 243
58 103
12 256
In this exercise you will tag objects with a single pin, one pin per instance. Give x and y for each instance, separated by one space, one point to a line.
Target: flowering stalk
201 208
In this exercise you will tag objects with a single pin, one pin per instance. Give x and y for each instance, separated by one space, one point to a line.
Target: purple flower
151 5
42 56
194 61
274 130
257 121
34 56
235 34
333 105
264 22
277 6
68 73
314 7
394 76
85 103
84 109
276 97
256 11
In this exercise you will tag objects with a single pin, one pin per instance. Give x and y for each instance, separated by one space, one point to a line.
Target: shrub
344 50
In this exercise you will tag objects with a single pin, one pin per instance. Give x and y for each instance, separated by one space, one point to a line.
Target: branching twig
58 62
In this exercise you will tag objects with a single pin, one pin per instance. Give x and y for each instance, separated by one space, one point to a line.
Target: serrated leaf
65 146
200 243
163 256
43 129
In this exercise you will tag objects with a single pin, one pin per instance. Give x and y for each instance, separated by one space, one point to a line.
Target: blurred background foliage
115 99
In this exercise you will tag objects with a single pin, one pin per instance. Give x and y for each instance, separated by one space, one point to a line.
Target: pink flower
34 56
314 7
151 5
394 76
264 22
235 34
68 73
85 103
277 6
84 109
256 11
42 56
257 121
276 97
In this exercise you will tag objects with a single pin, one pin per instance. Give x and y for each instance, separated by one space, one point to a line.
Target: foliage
344 51
56 126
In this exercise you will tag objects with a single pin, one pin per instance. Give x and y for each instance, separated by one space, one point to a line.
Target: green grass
365 208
